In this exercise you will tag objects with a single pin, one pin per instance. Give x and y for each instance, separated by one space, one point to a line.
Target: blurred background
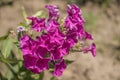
102 20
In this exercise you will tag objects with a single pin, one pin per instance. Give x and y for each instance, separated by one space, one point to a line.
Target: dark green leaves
69 61
41 76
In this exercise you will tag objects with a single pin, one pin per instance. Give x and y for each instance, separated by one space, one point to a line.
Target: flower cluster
53 44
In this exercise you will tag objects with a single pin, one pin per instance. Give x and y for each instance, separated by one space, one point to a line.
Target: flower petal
59 68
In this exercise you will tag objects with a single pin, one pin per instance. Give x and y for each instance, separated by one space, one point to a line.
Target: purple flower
43 64
59 68
53 44
59 51
72 37
55 54
74 17
20 29
34 19
75 12
65 48
41 51
56 37
34 55
91 48
45 41
80 31
75 25
52 25
38 24
88 36
70 23
35 64
28 45
30 61
53 12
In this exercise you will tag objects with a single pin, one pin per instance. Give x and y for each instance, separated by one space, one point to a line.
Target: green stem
52 78
41 76
12 70
10 67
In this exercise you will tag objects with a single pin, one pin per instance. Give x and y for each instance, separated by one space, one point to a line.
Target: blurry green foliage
7 46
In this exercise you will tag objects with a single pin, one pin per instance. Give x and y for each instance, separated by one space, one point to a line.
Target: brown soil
106 66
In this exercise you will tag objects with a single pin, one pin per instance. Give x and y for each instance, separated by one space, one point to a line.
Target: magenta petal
55 54
38 24
27 44
41 51
70 23
35 64
56 37
30 61
75 21
93 49
88 36
51 46
52 25
33 19
53 11
24 39
72 38
59 68
36 70
43 64
75 12
64 50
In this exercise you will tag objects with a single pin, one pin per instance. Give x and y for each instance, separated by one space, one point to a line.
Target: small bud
20 29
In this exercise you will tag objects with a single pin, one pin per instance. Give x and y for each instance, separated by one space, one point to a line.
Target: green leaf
25 15
23 25
3 37
69 61
13 61
7 47
41 76
39 13
9 75
52 78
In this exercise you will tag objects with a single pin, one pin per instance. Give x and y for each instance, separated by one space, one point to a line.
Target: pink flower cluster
50 47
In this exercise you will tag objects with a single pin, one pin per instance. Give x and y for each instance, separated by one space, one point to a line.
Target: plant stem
12 70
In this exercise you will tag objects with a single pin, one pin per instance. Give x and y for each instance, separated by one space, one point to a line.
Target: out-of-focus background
102 20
